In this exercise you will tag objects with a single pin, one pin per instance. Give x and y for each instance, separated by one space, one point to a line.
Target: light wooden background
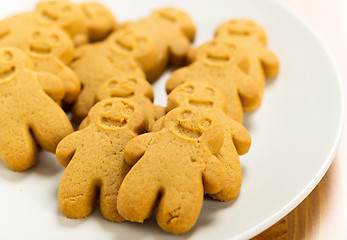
323 214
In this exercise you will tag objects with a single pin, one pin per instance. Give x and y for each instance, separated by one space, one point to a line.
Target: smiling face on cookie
61 13
178 17
242 28
11 60
197 95
124 86
45 41
116 114
129 42
218 53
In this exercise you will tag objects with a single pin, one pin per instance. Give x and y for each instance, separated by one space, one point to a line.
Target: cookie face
217 53
99 20
178 17
64 14
125 86
48 41
138 45
242 28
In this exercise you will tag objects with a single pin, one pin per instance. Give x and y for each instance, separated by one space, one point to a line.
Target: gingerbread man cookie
99 20
51 49
218 63
94 158
205 98
173 169
251 38
133 88
94 64
171 29
26 112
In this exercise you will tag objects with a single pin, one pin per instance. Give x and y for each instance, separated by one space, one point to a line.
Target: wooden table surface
323 214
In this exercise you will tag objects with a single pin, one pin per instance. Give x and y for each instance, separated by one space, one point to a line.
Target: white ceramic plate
295 134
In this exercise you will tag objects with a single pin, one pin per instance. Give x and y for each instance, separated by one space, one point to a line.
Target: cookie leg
179 207
78 192
83 104
138 195
231 163
109 191
17 147
50 125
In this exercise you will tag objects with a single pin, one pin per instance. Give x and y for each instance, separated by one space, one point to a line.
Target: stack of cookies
129 155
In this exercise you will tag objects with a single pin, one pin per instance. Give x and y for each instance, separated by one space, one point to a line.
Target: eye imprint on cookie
55 38
167 16
128 109
124 45
206 123
131 82
185 114
209 91
48 16
201 104
8 56
107 107
189 89
112 84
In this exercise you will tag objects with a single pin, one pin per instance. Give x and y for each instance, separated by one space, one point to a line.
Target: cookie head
129 42
11 61
60 13
45 41
197 95
218 53
195 126
242 27
115 114
179 18
124 86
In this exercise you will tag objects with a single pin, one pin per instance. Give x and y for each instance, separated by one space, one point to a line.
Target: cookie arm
241 137
213 175
51 85
158 125
179 49
159 111
178 77
71 83
67 147
248 92
137 147
270 63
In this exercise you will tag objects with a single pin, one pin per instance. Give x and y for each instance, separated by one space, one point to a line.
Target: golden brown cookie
141 47
51 49
93 64
174 168
99 20
171 29
64 14
94 158
251 38
134 88
26 112
218 63
205 98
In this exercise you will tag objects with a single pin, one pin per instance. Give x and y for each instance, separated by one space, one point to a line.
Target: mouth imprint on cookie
127 95
201 104
7 73
40 50
49 16
187 133
124 46
238 32
113 123
216 58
